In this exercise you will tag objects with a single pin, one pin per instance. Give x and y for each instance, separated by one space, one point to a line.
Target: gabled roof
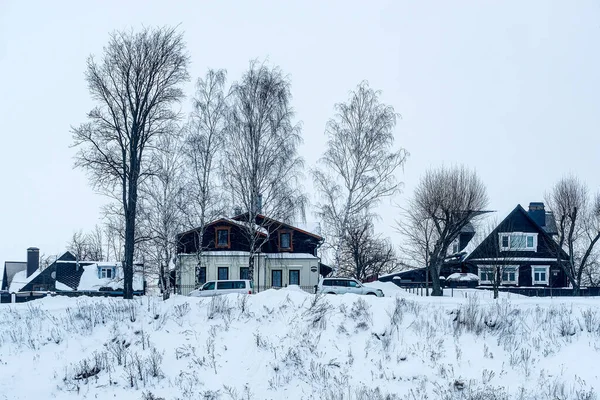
493 236
224 220
11 268
244 217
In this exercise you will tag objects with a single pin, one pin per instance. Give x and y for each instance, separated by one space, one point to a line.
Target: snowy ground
288 344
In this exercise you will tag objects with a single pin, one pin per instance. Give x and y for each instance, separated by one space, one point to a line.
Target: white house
287 255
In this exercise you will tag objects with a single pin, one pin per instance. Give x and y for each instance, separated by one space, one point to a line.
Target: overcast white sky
511 88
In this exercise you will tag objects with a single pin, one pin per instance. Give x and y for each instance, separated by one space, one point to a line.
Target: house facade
522 249
67 274
287 254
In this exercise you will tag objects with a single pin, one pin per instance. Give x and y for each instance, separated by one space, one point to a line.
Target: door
276 278
294 277
208 289
354 287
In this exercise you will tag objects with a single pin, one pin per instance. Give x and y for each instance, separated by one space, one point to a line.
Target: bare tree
163 194
135 85
359 165
498 260
261 167
577 216
203 148
444 202
87 246
365 253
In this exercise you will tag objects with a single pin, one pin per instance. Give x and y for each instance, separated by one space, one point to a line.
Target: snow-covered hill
287 344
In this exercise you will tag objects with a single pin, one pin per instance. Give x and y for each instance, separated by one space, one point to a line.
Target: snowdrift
288 344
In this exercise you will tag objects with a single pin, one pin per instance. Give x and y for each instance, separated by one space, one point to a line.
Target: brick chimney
33 260
537 212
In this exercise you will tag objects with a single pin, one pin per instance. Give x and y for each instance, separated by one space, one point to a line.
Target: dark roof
550 226
10 269
484 247
245 217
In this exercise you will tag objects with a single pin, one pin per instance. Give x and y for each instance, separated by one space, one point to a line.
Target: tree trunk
129 248
130 214
251 268
435 280
165 282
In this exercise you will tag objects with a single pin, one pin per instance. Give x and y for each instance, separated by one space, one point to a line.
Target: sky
511 89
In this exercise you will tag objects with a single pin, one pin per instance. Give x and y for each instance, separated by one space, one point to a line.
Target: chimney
33 260
537 212
237 211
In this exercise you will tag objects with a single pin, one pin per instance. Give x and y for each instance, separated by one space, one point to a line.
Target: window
244 273
510 275
223 273
209 286
540 274
353 284
486 275
285 240
224 285
294 277
201 271
276 278
106 272
518 241
455 246
223 239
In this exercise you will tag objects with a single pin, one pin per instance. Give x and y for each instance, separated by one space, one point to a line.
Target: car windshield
208 286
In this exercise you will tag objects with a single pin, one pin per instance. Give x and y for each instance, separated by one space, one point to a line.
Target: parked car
346 285
216 288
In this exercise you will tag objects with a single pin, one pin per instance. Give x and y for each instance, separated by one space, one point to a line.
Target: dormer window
106 272
518 241
455 246
223 239
285 240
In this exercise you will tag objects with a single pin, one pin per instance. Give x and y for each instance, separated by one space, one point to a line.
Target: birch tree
359 166
577 215
163 195
261 168
203 149
135 84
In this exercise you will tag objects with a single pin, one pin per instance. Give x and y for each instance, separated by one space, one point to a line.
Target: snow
459 277
90 282
61 286
287 344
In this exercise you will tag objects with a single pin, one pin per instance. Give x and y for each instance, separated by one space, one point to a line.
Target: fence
186 289
420 288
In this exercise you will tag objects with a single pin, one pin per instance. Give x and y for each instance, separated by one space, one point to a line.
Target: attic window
518 241
222 237
285 240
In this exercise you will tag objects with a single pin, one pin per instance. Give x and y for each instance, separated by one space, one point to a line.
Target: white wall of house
307 266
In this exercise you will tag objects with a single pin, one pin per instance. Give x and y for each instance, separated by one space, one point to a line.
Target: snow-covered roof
20 279
463 277
291 255
12 267
90 282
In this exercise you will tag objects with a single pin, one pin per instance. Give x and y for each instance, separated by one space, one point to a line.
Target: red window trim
291 233
222 228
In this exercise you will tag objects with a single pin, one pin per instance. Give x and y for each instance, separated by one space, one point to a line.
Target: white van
346 285
216 288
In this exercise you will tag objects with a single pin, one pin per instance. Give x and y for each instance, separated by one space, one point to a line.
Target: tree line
237 150
167 172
